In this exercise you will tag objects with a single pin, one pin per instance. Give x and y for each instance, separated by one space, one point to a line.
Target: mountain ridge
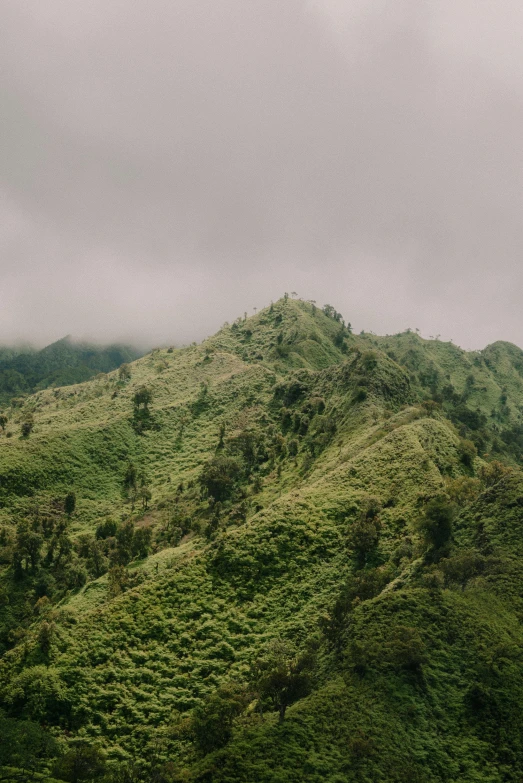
26 370
285 474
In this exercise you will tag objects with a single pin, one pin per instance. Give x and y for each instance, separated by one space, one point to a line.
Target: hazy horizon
147 346
167 166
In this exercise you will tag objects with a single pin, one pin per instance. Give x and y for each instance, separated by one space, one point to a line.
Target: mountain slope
60 364
283 482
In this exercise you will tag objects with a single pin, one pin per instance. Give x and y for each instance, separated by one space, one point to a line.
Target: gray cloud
166 165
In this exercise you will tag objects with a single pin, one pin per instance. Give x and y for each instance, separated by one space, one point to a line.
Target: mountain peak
290 333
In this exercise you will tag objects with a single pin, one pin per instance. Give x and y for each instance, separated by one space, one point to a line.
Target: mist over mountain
209 156
24 370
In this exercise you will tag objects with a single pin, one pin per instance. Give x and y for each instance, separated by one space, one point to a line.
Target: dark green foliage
26 746
211 723
282 676
467 452
513 438
130 542
106 529
27 426
37 694
463 567
435 525
142 542
202 401
29 542
473 420
83 762
364 533
120 579
219 477
142 418
130 479
70 503
142 398
60 364
359 587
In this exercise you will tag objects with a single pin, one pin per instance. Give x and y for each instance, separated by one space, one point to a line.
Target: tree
27 425
96 560
467 451
45 637
29 542
142 397
339 337
124 373
364 537
359 587
292 447
106 529
219 475
141 545
142 418
130 478
37 693
82 762
125 542
24 745
463 567
3 421
435 525
212 721
250 445
283 676
145 495
364 533
493 472
404 648
117 581
70 503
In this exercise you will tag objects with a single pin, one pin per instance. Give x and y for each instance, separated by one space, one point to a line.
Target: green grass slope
285 473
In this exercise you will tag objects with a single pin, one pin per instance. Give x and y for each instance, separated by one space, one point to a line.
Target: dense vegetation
290 553
24 371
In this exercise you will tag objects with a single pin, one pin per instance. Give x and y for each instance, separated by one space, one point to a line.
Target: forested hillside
288 554
24 371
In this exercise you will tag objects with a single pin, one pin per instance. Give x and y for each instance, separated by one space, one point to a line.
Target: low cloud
166 166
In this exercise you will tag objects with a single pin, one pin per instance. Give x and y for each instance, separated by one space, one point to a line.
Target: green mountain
24 371
290 553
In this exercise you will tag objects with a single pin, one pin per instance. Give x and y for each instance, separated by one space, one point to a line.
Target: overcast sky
167 164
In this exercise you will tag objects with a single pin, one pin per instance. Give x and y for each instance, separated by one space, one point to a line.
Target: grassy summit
289 553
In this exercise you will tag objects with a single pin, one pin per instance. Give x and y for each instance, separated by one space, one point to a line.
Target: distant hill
63 363
290 553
